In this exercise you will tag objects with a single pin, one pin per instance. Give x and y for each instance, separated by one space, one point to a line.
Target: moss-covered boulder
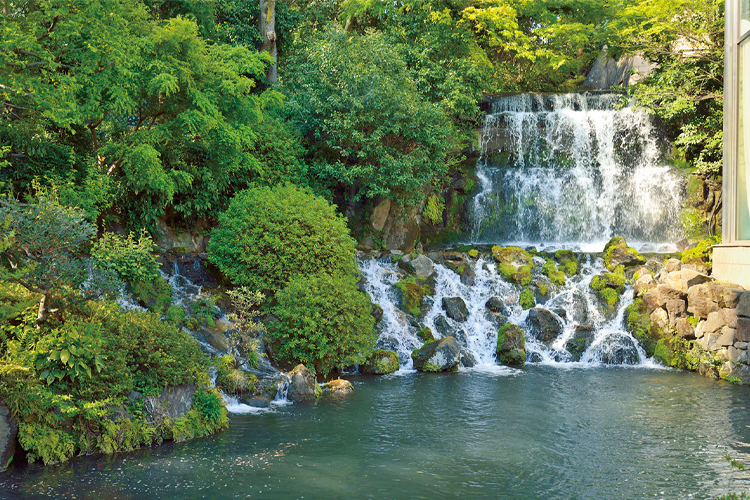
618 253
554 274
425 334
439 356
381 362
413 291
511 345
568 261
514 263
609 286
338 387
638 324
526 299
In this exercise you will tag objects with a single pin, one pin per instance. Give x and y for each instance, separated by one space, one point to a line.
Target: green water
540 433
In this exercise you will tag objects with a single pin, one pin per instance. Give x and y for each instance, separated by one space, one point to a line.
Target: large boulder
439 356
511 345
617 252
172 403
455 308
700 300
514 263
617 349
421 266
8 433
381 362
338 387
544 325
581 340
302 386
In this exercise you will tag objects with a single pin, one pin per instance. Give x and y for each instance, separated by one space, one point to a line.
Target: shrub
270 235
324 322
129 258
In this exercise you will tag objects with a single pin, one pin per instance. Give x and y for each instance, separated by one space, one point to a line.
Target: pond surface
538 433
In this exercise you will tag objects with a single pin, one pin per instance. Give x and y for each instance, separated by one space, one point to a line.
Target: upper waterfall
574 170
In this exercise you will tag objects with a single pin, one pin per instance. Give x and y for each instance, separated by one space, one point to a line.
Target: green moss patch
413 291
514 263
526 299
555 275
381 362
568 261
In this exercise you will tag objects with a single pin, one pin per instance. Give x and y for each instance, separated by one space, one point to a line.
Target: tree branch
50 29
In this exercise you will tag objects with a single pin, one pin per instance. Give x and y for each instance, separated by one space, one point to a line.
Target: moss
473 253
550 270
543 290
413 291
694 320
381 362
609 286
425 334
702 253
526 299
617 248
511 345
568 261
638 323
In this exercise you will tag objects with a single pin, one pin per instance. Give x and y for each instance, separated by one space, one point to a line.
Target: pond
539 432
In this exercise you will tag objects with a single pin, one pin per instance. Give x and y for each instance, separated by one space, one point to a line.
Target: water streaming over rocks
574 169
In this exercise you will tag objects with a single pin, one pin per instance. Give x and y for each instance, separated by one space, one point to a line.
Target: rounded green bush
324 322
267 236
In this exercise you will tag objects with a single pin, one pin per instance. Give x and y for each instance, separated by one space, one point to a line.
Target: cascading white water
573 304
574 169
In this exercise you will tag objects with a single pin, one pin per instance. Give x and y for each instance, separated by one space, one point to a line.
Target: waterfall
574 170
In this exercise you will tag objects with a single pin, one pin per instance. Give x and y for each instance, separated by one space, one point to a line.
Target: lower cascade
569 324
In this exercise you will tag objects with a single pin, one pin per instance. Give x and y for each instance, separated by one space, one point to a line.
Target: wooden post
267 27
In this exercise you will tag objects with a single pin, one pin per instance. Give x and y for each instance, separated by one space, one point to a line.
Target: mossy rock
609 286
425 334
555 275
638 324
514 263
568 261
511 345
381 362
618 253
413 291
582 338
526 299
702 254
438 356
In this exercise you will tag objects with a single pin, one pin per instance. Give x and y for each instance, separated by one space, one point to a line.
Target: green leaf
64 356
50 379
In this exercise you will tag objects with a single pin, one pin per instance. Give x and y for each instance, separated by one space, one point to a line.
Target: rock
673 280
380 215
617 350
381 362
425 334
441 355
8 433
581 340
728 336
579 308
714 322
710 341
377 313
421 265
673 265
514 263
737 355
741 372
216 335
468 277
511 345
741 345
675 309
644 283
303 386
402 231
730 295
183 242
172 402
691 278
617 252
699 301
467 359
443 327
660 318
743 329
743 305
366 244
338 387
496 305
544 325
455 308
684 328
730 316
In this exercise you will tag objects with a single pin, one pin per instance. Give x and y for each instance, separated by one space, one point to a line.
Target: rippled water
539 432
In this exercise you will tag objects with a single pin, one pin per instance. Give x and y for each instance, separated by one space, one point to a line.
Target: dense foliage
323 322
267 236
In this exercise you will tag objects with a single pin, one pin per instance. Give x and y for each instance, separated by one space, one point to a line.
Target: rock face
8 433
172 403
439 356
544 325
455 308
607 73
303 386
511 345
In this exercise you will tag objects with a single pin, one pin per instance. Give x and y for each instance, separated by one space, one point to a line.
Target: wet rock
443 327
438 356
467 359
425 334
511 345
739 372
535 357
8 433
377 313
579 308
543 324
387 343
421 266
338 387
303 386
401 231
216 334
581 340
468 277
496 305
381 362
496 319
455 308
617 350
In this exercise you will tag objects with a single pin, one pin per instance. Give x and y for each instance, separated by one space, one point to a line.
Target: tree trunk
267 27
43 312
